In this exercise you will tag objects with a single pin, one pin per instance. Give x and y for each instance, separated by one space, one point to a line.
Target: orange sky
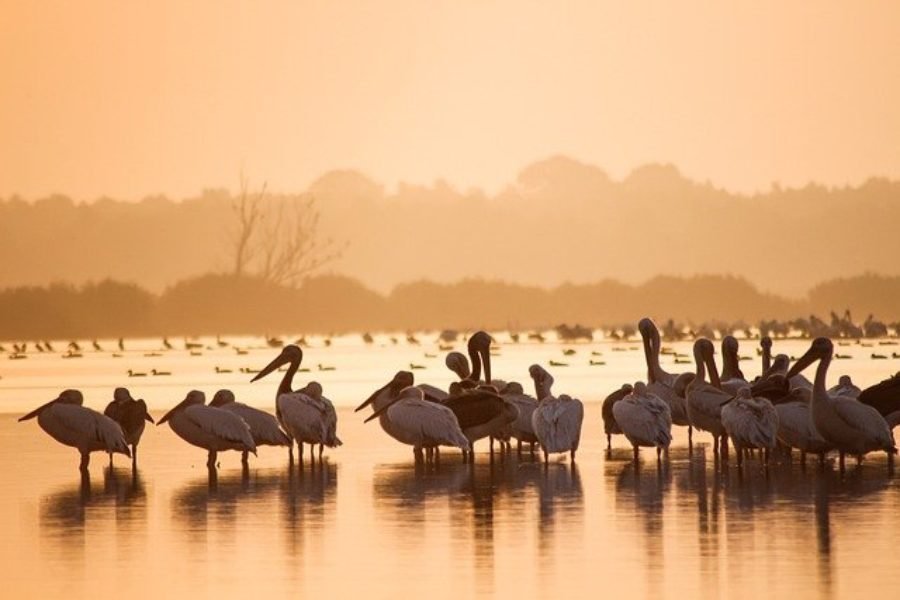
130 99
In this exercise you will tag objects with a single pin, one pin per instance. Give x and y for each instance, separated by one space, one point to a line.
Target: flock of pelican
779 410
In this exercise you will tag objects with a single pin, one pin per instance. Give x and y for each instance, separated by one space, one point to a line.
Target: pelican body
406 416
131 415
645 419
849 425
660 383
306 415
263 427
610 425
750 423
69 423
556 421
214 429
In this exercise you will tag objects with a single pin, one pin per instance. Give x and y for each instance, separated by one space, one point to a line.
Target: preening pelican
732 379
795 426
844 387
750 423
263 427
68 422
849 425
407 417
664 385
306 415
208 427
522 429
705 400
645 419
131 415
556 421
610 426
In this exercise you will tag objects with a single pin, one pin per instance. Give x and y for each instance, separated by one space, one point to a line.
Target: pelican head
313 389
407 393
458 363
290 354
647 328
780 363
821 349
401 380
766 342
480 355
745 392
844 380
682 382
65 397
222 398
121 394
543 380
193 397
639 388
729 344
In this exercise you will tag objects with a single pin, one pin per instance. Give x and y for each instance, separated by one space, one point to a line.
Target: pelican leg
740 456
211 459
133 456
492 445
609 440
821 460
637 453
321 447
519 447
417 452
658 454
572 455
110 459
291 453
437 455
532 448
429 454
546 457
244 460
300 452
841 462
85 461
859 459
715 445
690 437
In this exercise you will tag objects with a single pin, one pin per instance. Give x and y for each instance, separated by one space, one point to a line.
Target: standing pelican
305 417
750 423
556 421
522 429
849 425
660 383
645 419
795 425
214 429
68 422
406 416
263 427
705 400
732 378
131 415
610 425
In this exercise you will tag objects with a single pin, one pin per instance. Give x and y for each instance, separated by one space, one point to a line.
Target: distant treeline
221 304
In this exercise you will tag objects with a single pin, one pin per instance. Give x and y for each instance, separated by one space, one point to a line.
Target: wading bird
705 400
263 427
556 421
645 419
69 423
751 423
307 418
131 415
208 427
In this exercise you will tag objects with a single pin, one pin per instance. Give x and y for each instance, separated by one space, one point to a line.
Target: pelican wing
94 425
221 423
751 422
645 419
308 419
883 397
475 407
263 426
862 417
525 405
432 393
435 421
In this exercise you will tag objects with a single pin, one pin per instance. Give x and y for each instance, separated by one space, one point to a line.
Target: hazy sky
129 99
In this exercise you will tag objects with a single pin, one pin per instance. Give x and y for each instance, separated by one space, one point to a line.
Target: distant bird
556 421
610 426
131 415
305 415
208 427
160 373
132 373
97 346
325 367
221 343
69 423
414 367
121 345
222 370
367 338
849 425
751 423
645 419
167 344
73 345
263 426
406 416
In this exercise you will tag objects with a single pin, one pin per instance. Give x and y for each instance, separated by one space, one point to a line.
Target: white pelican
68 422
407 417
849 425
660 383
750 423
645 419
131 415
263 427
795 426
307 416
208 427
556 421
705 400
732 379
844 387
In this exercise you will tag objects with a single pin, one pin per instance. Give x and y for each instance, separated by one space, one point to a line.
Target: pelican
885 398
263 427
849 425
750 423
660 383
214 429
645 419
610 426
131 415
556 421
705 400
732 379
68 422
406 416
844 387
307 418
522 428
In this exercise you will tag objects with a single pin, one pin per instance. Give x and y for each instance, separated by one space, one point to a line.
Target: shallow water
368 522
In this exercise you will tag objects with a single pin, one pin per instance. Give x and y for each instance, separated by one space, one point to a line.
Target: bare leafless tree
278 240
